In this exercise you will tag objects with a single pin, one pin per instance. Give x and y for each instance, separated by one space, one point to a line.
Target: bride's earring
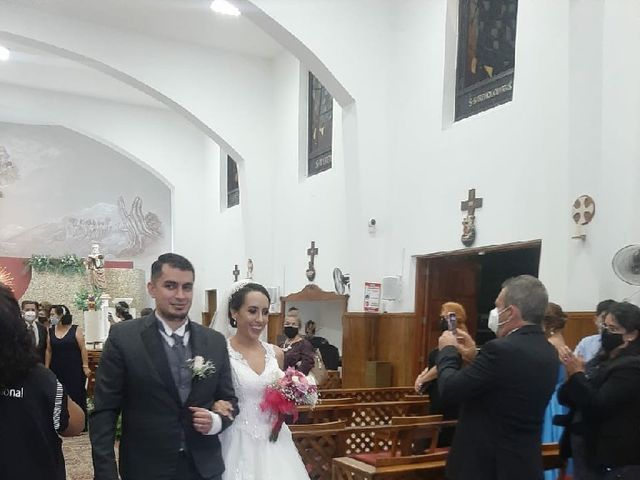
233 322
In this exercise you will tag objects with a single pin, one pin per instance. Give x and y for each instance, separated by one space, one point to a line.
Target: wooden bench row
318 444
356 414
386 394
423 467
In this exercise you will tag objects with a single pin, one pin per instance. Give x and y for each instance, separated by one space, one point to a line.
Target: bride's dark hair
237 298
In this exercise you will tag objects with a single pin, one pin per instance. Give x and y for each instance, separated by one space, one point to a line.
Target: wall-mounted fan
626 264
341 282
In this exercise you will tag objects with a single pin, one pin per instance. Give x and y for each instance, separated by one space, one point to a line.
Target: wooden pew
430 467
385 394
318 444
362 414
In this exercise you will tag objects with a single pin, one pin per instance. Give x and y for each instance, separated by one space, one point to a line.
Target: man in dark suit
37 331
164 373
504 391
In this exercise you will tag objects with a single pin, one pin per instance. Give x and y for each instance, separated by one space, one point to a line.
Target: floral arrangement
200 368
68 264
86 299
283 396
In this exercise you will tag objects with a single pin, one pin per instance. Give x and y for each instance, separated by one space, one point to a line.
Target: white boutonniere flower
201 368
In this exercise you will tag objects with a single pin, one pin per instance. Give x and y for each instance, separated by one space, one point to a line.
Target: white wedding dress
247 452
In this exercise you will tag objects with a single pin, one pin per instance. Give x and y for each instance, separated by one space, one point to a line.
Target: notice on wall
372 296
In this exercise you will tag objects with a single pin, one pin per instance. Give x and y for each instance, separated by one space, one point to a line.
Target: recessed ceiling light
5 54
225 8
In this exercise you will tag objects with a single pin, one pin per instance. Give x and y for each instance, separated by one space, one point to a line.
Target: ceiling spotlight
225 8
5 54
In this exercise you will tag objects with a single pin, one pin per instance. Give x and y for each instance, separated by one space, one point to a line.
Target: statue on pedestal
95 267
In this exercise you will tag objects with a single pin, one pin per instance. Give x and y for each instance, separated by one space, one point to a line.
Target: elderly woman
427 381
607 403
298 352
34 407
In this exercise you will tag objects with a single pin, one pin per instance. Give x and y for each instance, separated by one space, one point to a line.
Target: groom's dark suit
134 377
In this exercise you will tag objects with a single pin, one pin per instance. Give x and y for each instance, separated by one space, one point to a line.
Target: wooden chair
422 438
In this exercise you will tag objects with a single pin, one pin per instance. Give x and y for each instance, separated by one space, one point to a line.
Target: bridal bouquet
284 395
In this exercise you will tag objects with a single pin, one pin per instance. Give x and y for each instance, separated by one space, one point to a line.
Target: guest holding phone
452 317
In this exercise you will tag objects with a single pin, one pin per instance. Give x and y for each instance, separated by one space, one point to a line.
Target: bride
247 452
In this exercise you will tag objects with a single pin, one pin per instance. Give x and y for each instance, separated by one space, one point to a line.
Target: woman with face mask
69 358
298 352
607 403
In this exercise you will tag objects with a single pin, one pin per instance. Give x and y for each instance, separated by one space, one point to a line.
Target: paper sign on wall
372 296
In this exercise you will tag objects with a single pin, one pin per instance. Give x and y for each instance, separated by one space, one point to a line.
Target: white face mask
54 320
29 316
494 322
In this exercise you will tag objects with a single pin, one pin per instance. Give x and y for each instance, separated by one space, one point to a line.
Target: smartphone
453 322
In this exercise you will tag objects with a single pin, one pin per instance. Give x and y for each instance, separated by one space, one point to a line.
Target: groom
168 429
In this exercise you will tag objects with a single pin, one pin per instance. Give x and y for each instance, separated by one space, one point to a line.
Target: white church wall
158 139
410 171
615 224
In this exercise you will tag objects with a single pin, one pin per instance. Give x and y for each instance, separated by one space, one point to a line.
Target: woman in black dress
34 407
298 352
69 359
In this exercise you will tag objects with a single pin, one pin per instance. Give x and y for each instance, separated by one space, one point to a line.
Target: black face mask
610 341
291 332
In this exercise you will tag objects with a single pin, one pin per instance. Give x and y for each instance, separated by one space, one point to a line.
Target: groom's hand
202 421
224 408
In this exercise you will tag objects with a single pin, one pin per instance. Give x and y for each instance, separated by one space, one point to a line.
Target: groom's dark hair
174 261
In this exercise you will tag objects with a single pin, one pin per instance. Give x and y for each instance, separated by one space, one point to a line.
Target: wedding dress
247 452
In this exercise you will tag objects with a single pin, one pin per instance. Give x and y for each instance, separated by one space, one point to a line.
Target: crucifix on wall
468 222
236 274
311 271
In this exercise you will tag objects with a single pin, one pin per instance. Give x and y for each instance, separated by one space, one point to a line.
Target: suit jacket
608 403
503 394
41 347
134 378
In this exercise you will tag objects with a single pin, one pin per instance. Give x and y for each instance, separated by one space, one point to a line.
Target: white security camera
372 222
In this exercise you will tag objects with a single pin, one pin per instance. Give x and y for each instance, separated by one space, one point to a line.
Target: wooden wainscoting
578 326
398 337
359 332
384 337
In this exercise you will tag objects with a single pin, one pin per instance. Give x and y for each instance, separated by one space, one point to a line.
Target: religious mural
63 191
486 55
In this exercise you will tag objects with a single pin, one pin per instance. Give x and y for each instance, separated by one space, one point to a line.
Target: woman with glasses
607 403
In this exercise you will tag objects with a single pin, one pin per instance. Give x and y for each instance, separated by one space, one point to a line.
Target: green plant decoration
68 264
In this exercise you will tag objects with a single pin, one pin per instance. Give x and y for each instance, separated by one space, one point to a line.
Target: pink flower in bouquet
284 395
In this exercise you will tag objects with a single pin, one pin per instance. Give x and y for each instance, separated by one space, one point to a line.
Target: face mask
29 316
42 319
54 320
291 332
610 341
494 322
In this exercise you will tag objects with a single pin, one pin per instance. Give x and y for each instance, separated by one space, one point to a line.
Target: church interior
364 160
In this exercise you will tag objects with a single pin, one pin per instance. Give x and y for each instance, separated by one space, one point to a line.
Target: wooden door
448 280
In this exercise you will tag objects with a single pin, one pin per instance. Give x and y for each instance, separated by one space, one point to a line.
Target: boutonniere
200 368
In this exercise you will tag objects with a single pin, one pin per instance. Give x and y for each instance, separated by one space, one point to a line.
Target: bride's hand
222 407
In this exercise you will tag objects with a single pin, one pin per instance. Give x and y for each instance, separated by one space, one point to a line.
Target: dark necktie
32 332
180 353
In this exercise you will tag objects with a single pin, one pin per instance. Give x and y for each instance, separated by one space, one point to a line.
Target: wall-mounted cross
236 274
470 204
311 271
